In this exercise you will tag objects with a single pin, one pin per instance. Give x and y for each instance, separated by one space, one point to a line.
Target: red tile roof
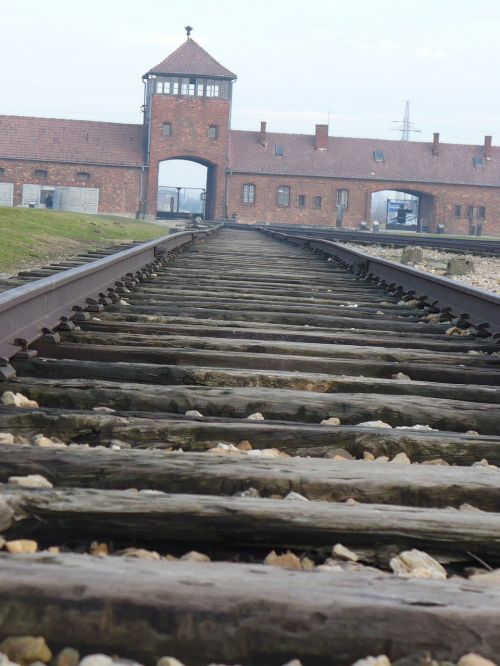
83 141
409 161
190 59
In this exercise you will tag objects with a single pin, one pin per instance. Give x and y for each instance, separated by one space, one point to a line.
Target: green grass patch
31 237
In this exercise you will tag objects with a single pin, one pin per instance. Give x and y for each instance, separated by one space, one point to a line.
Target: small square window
40 173
479 162
167 129
83 175
457 211
278 149
378 155
213 132
301 201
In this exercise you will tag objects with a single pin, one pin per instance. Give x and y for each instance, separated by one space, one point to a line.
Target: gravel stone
30 481
417 564
24 650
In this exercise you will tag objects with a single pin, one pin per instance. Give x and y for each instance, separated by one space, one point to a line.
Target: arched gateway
187 109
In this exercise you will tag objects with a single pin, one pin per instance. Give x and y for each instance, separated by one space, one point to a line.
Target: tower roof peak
190 59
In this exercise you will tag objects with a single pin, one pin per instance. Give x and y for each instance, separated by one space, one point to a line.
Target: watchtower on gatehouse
187 114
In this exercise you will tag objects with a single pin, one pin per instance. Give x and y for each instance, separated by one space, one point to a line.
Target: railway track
472 245
182 423
30 275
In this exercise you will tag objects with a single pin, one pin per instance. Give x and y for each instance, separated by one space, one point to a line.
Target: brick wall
118 186
190 119
436 201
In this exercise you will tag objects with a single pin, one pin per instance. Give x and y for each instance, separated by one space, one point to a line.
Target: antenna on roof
188 30
405 126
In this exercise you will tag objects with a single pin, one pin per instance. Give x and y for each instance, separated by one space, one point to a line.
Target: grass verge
33 237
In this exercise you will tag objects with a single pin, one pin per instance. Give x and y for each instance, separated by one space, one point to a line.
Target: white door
31 195
6 194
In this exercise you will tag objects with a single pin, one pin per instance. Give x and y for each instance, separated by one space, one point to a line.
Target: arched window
83 175
248 193
40 173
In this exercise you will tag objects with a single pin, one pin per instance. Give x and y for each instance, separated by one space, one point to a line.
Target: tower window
248 193
278 149
213 88
301 201
283 195
457 210
317 202
167 129
213 132
378 155
40 173
342 198
188 87
83 175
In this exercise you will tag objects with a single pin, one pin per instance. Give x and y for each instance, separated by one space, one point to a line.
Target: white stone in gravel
21 546
30 481
417 564
473 659
5 661
103 410
293 496
96 660
6 438
10 399
195 556
249 492
381 660
47 443
169 661
401 458
255 417
344 553
331 420
193 413
374 424
401 376
151 493
381 459
416 427
264 453
294 662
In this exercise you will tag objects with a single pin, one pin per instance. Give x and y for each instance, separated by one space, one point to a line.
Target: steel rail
481 306
27 311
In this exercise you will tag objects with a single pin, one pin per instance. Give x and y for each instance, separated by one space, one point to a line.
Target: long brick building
258 176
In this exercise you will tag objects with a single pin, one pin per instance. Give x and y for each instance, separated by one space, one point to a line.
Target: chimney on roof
487 147
435 144
321 137
263 134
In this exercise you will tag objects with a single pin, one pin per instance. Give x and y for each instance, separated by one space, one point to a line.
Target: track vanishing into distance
236 326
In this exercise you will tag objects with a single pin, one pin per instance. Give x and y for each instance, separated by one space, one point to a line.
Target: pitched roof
191 60
409 161
82 141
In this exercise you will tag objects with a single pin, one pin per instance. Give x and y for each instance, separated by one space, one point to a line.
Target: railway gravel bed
485 276
254 457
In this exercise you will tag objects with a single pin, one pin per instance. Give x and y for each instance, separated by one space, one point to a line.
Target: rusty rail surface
482 307
28 311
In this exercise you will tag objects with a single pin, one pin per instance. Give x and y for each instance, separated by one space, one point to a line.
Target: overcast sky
298 62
